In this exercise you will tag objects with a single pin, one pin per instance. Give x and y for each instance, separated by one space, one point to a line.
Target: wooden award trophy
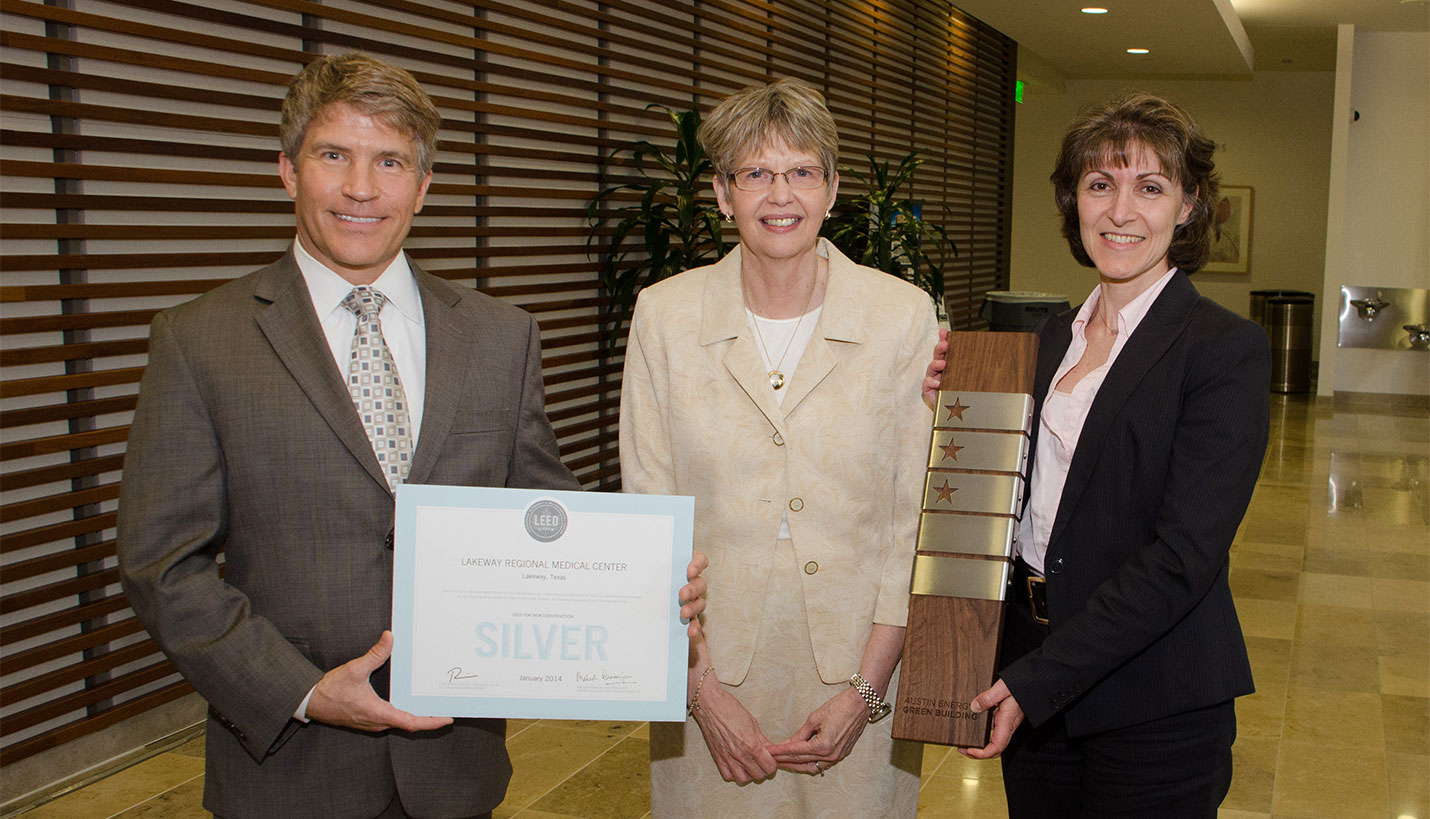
972 499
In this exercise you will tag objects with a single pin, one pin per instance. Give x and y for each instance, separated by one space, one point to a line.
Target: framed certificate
539 604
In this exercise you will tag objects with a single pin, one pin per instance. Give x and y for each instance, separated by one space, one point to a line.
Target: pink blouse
1062 419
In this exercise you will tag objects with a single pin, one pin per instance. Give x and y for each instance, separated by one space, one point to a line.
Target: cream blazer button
811 567
796 504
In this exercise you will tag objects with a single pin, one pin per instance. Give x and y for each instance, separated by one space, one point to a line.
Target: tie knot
364 301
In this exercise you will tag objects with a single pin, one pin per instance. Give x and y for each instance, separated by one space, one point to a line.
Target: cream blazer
845 455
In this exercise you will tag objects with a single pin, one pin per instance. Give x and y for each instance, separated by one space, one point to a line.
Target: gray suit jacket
246 442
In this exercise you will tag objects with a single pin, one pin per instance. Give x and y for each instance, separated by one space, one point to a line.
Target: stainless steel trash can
1288 322
1257 310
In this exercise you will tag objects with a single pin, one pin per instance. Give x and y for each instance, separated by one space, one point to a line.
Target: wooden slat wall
137 157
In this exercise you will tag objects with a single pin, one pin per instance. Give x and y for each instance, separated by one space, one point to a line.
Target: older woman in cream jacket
780 388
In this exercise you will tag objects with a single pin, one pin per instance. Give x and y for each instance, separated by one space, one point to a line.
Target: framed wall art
1231 232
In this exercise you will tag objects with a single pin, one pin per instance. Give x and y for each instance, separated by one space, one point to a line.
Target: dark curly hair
1109 133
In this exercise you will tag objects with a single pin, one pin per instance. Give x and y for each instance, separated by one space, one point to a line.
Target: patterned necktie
377 389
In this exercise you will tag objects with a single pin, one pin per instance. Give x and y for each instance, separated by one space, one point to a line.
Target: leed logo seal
545 521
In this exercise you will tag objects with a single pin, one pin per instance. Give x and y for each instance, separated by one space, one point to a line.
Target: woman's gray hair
788 109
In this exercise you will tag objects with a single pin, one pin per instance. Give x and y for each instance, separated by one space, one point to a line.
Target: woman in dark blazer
1122 652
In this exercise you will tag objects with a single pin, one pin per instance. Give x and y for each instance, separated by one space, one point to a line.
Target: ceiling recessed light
1094 10
1138 51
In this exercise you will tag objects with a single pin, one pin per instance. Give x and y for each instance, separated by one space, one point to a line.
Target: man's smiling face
355 188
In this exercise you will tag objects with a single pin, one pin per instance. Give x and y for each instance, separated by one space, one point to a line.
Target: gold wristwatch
878 709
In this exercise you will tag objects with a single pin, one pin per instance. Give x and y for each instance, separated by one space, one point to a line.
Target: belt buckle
1040 614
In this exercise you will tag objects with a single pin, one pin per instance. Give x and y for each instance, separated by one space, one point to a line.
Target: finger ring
819 767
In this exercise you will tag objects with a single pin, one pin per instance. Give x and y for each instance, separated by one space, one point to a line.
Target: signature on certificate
606 678
455 673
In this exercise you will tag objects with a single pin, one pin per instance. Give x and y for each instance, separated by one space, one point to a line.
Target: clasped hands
744 754
345 697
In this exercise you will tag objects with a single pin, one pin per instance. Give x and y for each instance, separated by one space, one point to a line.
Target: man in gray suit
277 416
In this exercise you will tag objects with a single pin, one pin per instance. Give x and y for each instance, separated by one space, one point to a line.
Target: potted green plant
671 224
882 231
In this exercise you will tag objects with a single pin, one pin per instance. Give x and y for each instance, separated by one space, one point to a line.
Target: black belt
1030 589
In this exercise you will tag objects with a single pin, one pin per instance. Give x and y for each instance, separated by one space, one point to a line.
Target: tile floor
1332 577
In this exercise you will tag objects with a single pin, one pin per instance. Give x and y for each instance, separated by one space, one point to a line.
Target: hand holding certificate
531 603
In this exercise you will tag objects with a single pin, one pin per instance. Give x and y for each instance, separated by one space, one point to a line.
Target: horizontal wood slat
62 619
90 695
89 724
56 503
54 561
25 660
50 592
74 381
42 683
74 352
39 476
52 444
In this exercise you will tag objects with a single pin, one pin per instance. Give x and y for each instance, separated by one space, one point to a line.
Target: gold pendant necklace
777 376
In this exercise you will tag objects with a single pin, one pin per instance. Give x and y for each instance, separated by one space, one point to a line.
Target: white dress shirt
1062 419
402 329
402 322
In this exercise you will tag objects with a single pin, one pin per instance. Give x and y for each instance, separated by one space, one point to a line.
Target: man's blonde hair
788 109
368 84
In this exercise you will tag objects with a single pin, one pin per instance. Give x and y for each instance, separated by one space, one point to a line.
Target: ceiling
1188 37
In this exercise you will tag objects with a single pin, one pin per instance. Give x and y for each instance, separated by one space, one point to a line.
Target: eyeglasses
805 177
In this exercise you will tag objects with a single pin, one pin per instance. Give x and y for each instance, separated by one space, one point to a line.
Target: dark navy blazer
1140 611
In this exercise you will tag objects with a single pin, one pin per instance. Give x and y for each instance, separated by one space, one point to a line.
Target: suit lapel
1053 344
817 362
723 321
1051 348
840 321
747 368
1164 322
448 357
290 324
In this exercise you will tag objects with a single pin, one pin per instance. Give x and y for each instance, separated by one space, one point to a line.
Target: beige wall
1379 234
1274 133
